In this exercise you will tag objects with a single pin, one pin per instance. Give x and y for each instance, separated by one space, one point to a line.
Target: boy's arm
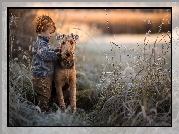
47 54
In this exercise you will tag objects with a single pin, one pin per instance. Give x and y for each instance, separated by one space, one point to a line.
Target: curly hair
43 22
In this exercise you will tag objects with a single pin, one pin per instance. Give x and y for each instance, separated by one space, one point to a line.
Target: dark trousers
43 87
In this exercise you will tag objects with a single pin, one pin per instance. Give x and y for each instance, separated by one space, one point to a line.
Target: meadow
123 65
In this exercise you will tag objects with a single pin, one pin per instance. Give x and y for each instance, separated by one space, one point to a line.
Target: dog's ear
75 36
60 37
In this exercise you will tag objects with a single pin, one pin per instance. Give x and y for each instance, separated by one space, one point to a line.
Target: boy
43 61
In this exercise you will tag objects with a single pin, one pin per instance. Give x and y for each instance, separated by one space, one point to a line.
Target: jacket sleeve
45 53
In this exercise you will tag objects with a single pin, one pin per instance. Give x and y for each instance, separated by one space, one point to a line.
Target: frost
30 47
13 20
128 70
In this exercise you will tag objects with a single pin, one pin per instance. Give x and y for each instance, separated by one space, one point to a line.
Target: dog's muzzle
67 54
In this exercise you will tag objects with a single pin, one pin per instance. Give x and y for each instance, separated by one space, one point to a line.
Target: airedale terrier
65 73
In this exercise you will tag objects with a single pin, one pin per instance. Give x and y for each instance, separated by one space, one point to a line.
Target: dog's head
67 43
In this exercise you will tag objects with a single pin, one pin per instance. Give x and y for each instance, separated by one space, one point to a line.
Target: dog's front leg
60 98
73 92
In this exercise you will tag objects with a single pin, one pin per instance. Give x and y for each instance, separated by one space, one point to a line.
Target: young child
43 61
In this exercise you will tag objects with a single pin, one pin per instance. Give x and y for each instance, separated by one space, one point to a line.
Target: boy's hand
57 49
58 54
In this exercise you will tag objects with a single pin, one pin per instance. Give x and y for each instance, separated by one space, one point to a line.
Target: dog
65 72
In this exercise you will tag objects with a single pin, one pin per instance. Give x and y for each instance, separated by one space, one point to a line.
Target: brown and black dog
65 72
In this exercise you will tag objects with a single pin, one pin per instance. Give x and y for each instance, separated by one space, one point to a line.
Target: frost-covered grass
138 95
118 93
23 112
134 85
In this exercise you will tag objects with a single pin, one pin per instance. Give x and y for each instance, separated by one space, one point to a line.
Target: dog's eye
71 42
63 43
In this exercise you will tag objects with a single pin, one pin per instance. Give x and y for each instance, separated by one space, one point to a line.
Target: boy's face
48 33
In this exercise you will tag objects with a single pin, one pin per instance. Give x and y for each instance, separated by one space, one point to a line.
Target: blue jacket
43 58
